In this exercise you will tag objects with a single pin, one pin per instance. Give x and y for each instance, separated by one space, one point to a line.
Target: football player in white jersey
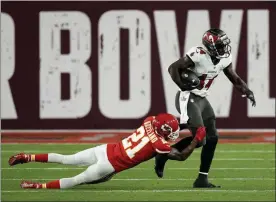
206 61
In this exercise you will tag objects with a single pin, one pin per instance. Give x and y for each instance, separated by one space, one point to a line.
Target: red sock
51 185
39 157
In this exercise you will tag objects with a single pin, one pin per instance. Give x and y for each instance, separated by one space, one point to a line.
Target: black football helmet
217 43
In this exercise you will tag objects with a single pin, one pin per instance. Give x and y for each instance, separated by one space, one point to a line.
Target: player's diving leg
101 171
208 149
85 157
195 122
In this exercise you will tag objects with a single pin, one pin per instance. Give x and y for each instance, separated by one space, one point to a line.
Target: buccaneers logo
211 38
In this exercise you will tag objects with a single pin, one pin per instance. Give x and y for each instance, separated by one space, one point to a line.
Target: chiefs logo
166 128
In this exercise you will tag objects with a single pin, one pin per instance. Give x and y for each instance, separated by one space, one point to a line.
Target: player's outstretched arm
176 67
182 156
239 83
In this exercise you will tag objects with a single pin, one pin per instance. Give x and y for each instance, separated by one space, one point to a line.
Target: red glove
200 134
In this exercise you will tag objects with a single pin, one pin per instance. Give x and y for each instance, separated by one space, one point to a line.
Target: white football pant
100 169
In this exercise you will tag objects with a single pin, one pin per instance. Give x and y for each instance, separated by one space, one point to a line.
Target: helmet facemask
174 135
222 47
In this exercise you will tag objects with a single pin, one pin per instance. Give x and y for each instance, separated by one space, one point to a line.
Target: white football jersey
205 69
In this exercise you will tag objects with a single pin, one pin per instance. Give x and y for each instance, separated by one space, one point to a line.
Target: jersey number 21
138 136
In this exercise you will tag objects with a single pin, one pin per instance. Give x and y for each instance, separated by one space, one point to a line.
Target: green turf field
245 171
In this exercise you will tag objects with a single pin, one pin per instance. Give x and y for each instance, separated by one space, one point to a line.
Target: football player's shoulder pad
196 53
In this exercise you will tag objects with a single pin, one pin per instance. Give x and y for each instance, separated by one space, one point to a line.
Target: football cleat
30 185
203 183
19 158
158 171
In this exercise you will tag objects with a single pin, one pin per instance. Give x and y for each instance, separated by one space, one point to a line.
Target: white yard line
78 168
141 191
154 179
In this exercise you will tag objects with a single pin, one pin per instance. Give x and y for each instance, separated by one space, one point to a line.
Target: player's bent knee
105 169
97 173
212 139
211 130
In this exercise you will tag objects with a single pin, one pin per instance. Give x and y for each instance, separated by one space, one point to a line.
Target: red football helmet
167 126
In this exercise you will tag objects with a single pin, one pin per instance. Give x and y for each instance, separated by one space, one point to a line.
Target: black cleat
203 183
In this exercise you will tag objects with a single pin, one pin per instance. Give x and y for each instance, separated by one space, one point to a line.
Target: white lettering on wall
258 63
53 63
138 25
8 110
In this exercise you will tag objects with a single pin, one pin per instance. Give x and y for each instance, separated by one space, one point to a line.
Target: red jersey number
206 83
138 136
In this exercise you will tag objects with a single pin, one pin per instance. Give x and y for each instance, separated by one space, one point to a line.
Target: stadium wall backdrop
99 65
